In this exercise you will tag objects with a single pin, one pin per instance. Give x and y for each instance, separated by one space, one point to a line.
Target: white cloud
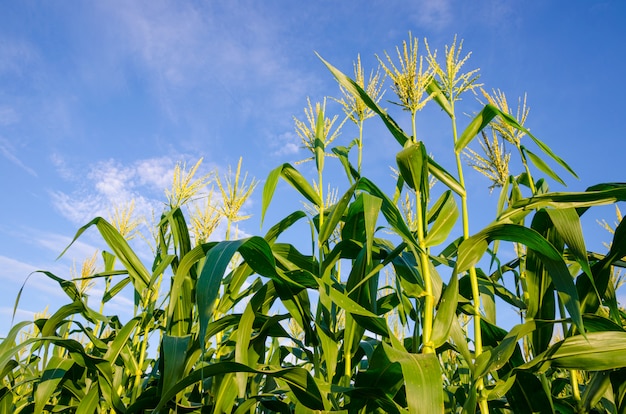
15 270
8 152
436 14
228 51
111 183
155 172
8 115
285 144
14 55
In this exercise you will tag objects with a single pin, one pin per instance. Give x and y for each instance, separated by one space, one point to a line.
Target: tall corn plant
259 325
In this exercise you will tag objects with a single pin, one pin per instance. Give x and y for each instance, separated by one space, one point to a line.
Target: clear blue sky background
99 100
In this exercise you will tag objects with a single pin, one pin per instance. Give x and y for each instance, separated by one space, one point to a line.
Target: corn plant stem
320 252
573 374
107 284
138 374
227 235
478 342
347 346
360 145
531 182
429 300
142 353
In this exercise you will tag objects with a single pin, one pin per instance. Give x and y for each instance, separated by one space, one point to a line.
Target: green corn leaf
166 261
210 280
528 395
567 224
336 213
602 273
413 166
89 403
599 351
434 89
226 394
113 291
49 328
550 153
445 177
358 92
319 147
276 230
179 231
496 357
136 270
121 340
378 385
330 349
342 153
473 248
422 379
181 300
371 210
444 214
297 303
345 303
594 196
389 210
594 391
174 357
50 378
460 342
480 121
446 312
257 254
542 166
298 379
293 177
242 342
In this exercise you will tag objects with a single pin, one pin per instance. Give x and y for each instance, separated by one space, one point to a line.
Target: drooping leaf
567 223
422 379
435 91
336 213
472 249
293 177
174 357
389 210
599 351
242 342
443 214
413 166
446 312
480 121
50 378
136 270
358 92
298 379
542 165
594 196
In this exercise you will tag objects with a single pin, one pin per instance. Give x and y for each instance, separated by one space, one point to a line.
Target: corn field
388 307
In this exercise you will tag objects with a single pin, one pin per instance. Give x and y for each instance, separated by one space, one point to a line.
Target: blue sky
99 100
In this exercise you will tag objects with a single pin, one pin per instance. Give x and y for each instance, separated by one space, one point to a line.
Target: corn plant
389 306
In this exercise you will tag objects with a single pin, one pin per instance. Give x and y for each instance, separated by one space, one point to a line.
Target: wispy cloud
207 52
8 151
14 55
111 183
285 144
435 14
8 115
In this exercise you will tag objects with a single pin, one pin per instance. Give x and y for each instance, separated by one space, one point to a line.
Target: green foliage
367 317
